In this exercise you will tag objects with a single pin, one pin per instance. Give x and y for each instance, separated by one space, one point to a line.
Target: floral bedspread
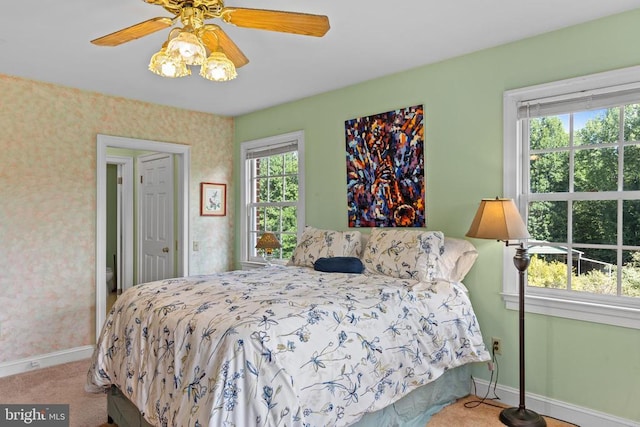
280 346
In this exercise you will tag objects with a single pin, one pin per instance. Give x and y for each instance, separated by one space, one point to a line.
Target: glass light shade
187 46
166 66
498 219
268 242
218 68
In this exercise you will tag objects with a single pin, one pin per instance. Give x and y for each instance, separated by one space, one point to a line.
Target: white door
155 197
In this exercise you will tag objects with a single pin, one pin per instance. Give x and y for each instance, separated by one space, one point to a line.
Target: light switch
196 246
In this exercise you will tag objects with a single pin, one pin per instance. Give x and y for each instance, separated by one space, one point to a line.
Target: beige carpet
459 415
58 384
65 384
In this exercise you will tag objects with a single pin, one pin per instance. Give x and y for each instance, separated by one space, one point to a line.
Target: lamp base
521 417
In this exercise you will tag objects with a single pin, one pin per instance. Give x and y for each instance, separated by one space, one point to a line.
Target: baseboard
583 417
45 360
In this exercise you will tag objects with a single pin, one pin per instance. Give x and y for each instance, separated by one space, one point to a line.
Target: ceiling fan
186 45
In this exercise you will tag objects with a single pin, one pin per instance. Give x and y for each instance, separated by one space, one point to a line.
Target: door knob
165 249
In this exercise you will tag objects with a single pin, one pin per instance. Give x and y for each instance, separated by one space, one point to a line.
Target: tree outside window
584 200
275 183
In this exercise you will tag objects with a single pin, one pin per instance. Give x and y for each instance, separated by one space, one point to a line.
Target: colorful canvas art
385 169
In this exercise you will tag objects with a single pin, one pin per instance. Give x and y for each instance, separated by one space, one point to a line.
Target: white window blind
271 150
586 100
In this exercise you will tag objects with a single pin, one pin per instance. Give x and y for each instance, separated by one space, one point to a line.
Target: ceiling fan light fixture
188 47
165 65
218 68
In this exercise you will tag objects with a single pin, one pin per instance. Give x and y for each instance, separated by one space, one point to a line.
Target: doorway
123 229
182 157
119 225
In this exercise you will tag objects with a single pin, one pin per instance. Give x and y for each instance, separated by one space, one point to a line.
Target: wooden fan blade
273 20
215 38
133 32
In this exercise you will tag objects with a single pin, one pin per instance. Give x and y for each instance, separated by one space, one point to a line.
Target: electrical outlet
496 345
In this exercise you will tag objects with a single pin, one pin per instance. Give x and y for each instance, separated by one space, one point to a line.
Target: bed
294 346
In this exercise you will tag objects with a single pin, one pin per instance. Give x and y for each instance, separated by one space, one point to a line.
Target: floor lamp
499 219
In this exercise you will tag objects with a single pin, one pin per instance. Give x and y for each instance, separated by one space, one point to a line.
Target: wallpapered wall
48 200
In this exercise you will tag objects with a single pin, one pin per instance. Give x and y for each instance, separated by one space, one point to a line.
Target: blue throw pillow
339 264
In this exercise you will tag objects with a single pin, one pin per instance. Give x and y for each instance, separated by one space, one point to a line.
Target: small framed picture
213 199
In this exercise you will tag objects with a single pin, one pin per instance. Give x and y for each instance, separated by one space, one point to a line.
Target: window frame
263 144
603 309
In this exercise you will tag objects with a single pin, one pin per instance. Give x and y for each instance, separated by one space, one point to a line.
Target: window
572 163
272 171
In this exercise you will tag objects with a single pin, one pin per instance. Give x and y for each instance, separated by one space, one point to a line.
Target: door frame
124 269
183 161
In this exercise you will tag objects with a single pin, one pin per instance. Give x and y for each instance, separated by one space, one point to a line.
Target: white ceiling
49 40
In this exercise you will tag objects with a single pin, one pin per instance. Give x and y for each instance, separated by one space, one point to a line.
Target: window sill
626 317
249 265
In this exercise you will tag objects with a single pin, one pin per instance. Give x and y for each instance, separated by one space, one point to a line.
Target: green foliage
547 132
602 129
553 274
549 174
596 282
547 274
594 157
631 276
595 169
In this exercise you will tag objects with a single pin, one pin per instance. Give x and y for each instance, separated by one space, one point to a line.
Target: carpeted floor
58 384
459 415
65 384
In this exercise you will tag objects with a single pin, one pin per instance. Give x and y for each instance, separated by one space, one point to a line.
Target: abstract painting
385 169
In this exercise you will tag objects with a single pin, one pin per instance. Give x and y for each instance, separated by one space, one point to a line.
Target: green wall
586 364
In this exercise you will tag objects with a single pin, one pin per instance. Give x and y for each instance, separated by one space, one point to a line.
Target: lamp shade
268 242
188 47
218 68
498 219
167 66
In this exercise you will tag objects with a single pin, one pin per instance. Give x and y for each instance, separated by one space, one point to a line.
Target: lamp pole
521 416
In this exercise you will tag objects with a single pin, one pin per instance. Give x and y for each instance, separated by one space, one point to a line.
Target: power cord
486 400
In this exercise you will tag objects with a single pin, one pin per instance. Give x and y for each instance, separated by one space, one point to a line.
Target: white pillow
456 260
404 253
317 243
